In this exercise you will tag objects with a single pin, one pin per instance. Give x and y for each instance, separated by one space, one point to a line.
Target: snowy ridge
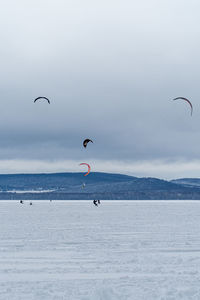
65 186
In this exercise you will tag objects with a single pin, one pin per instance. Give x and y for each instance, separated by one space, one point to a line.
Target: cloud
110 70
163 169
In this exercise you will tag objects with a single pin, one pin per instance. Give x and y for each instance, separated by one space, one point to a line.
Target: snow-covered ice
119 250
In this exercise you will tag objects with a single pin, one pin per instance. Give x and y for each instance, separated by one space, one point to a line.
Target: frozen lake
119 250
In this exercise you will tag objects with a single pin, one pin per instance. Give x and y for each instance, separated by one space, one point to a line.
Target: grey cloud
111 70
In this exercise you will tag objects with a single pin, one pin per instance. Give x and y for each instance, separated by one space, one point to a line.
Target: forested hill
95 185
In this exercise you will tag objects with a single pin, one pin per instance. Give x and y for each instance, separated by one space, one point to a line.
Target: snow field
119 250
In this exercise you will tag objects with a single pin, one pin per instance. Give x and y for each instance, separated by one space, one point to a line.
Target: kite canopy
188 101
89 168
42 98
86 141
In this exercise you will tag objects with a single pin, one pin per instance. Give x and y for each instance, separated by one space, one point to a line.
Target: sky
110 70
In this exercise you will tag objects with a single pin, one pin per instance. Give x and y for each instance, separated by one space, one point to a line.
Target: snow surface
119 250
27 191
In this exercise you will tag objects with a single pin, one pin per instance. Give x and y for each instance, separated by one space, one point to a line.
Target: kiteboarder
88 172
95 202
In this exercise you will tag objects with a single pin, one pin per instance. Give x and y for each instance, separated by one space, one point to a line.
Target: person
98 201
21 201
95 202
31 203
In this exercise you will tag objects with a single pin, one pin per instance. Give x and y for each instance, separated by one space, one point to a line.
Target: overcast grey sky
111 70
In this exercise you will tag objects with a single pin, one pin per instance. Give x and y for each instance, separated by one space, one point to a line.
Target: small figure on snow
95 202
